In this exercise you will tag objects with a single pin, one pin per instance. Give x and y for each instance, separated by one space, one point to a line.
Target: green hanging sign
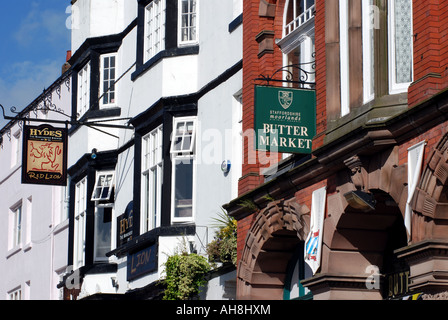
285 119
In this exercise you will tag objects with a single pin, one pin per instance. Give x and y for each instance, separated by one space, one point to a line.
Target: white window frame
103 94
29 212
152 172
80 223
395 87
15 294
367 48
97 257
99 186
183 155
299 33
344 57
155 20
299 19
175 135
15 148
83 90
181 27
16 226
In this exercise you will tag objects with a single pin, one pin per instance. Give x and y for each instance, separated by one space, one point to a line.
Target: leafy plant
248 204
224 246
185 274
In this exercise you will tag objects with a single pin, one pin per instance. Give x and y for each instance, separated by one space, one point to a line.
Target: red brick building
380 74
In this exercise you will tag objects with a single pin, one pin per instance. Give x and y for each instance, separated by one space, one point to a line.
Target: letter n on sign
44 156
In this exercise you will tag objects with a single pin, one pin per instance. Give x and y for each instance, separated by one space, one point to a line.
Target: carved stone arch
379 174
355 239
430 201
268 248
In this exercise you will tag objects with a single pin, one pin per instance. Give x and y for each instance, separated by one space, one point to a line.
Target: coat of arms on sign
285 98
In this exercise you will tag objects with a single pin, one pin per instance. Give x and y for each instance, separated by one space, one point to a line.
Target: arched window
297 43
297 12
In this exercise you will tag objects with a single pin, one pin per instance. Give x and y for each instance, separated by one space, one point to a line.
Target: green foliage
248 204
184 275
223 247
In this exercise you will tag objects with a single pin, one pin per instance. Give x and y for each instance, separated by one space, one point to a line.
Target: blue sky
34 40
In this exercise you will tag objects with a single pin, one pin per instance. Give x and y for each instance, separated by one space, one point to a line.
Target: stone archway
356 240
428 249
430 201
268 248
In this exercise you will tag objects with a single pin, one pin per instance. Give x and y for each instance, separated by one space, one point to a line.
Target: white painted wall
32 266
95 18
217 115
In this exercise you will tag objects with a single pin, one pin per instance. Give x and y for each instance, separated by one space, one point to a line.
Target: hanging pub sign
44 157
285 119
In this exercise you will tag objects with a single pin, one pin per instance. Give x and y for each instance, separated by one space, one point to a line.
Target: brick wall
430 50
256 62
321 74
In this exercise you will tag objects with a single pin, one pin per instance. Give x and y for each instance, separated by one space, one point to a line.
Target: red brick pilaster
430 50
321 74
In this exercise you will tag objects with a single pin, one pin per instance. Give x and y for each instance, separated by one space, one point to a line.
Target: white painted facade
34 220
42 258
178 75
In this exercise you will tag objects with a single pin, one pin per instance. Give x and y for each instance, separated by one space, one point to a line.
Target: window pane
152 179
188 20
17 226
183 198
103 187
102 232
403 41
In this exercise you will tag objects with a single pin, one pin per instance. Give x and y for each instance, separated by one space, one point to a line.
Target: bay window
103 224
83 90
368 40
103 195
80 223
188 21
152 179
297 43
344 56
154 41
400 45
107 81
182 152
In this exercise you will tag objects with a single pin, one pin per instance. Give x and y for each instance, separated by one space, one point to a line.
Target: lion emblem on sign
45 156
285 98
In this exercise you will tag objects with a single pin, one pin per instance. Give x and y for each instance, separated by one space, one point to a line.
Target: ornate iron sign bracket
301 74
100 123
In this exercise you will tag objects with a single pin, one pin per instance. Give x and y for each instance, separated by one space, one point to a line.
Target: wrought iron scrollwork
301 74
